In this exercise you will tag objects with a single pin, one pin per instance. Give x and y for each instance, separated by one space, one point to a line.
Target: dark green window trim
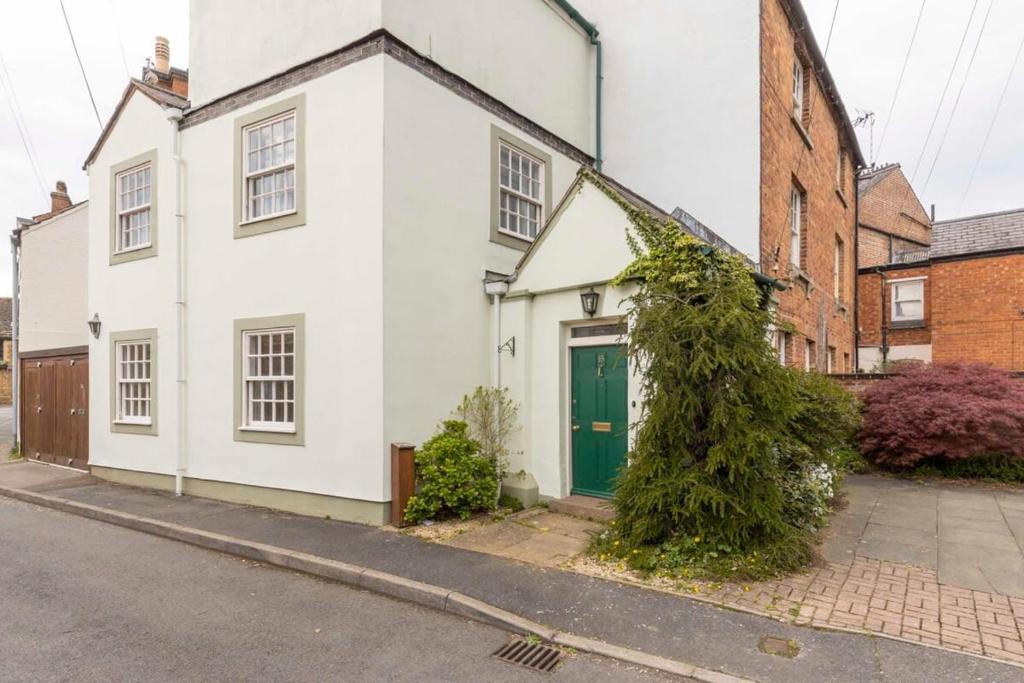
255 435
243 228
499 135
148 335
116 257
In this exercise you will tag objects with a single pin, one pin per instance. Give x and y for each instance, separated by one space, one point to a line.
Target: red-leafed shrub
943 413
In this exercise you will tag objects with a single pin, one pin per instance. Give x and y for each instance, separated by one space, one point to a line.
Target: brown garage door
55 409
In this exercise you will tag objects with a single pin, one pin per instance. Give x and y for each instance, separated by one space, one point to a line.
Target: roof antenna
867 118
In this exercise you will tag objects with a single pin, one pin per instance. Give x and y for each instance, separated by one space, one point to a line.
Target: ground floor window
133 381
269 379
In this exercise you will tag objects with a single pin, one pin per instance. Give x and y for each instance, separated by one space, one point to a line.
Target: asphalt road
85 601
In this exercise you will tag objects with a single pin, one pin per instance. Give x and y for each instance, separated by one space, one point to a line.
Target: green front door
599 418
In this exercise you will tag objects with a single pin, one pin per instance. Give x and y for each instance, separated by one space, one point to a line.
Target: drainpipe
855 257
595 40
15 315
884 328
174 116
496 290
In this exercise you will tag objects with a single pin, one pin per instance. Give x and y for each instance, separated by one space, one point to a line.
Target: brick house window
838 267
846 363
797 216
810 356
908 300
782 345
841 167
799 90
830 360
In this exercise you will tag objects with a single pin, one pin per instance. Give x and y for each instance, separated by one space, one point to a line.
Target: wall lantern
589 301
94 325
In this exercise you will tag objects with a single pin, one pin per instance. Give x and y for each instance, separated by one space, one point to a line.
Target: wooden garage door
55 410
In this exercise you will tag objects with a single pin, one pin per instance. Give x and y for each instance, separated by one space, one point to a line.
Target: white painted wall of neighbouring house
526 54
53 270
682 107
437 209
328 269
134 295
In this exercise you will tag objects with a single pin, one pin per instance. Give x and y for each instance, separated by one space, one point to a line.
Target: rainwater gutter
594 35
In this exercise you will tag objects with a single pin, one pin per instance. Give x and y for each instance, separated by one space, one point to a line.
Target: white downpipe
174 115
496 344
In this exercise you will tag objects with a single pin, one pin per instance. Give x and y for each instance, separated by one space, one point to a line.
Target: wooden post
403 480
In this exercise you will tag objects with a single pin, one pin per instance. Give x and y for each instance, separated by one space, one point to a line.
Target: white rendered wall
524 53
235 43
682 107
53 268
329 269
437 207
133 295
869 357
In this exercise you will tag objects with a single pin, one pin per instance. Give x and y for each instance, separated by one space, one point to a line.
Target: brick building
891 220
960 300
809 159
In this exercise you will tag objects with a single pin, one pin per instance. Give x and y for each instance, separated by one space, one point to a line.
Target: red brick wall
891 207
874 304
978 311
786 158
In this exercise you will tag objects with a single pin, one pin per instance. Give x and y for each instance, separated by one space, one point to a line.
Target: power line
992 123
956 102
22 124
80 65
828 41
899 82
945 89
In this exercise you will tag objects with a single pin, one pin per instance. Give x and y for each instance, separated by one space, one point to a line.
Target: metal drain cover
534 656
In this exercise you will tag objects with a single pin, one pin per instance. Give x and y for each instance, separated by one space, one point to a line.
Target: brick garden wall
804 152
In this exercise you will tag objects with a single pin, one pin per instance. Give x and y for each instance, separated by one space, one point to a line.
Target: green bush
508 502
993 468
452 477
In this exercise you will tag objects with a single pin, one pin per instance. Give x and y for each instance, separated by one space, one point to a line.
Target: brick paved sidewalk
894 599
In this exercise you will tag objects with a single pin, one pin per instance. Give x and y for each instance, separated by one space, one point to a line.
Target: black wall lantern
94 325
589 301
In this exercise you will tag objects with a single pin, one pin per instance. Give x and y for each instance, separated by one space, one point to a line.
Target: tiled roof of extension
987 232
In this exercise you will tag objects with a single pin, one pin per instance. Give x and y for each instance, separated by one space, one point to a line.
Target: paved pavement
6 431
971 537
655 622
87 601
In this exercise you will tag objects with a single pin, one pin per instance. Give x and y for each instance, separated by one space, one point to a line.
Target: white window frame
837 269
506 189
270 171
795 225
124 382
896 286
810 362
798 89
249 380
122 213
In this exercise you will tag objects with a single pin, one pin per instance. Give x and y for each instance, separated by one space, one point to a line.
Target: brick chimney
59 199
162 55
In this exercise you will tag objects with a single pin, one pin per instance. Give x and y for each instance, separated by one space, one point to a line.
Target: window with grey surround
134 378
134 194
521 182
270 379
270 167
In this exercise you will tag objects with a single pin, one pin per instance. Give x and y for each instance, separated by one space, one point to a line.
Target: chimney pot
59 199
162 55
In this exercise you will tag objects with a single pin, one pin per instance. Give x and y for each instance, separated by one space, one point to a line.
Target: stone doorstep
585 507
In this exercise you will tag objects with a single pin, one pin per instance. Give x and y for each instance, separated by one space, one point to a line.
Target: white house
318 252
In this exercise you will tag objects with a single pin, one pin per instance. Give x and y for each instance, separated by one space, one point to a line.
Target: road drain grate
531 655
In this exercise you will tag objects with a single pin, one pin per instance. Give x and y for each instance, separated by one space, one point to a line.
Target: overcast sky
866 53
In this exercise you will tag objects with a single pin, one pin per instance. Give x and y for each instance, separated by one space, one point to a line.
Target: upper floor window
841 168
521 182
134 194
799 89
908 300
838 266
270 167
797 206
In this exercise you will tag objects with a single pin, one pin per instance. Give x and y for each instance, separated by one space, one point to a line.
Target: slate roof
984 233
5 317
869 178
